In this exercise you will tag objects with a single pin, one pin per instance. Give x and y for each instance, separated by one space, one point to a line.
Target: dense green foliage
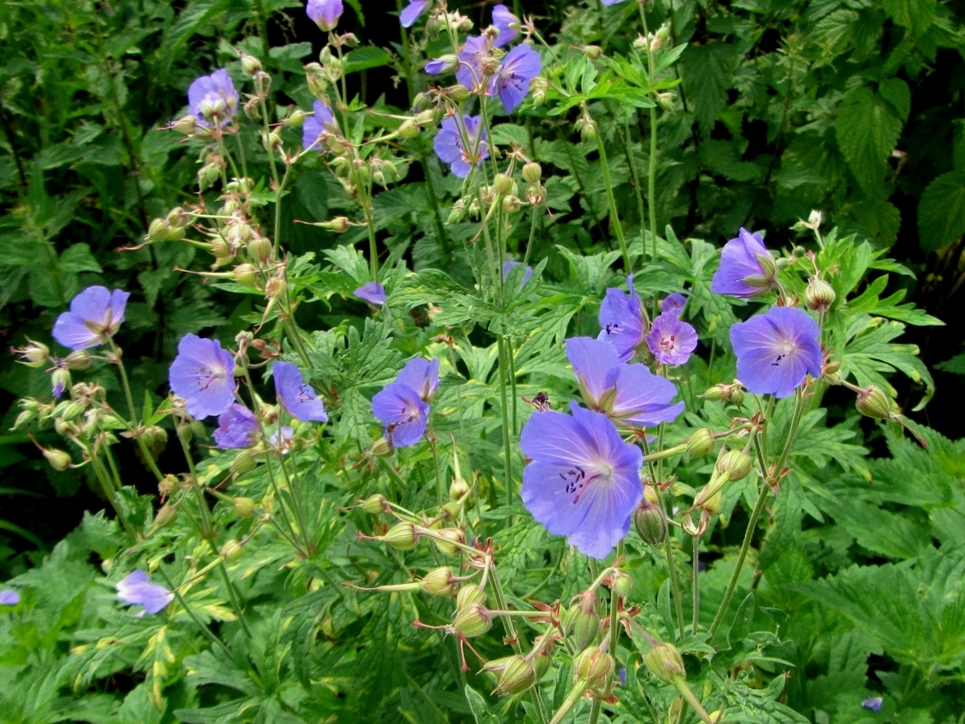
834 573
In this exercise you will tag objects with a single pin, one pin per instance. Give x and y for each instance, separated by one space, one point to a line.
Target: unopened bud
514 675
532 172
58 459
712 505
232 550
874 402
77 360
736 463
402 536
511 204
665 662
374 504
458 93
472 620
339 224
819 294
157 231
34 354
165 516
701 442
276 288
167 485
260 250
450 534
469 595
382 448
582 622
185 125
296 119
244 462
250 65
621 584
408 129
245 274
439 582
592 666
650 522
503 184
244 507
593 52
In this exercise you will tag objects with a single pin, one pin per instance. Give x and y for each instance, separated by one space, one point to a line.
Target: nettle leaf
941 211
916 15
707 77
867 130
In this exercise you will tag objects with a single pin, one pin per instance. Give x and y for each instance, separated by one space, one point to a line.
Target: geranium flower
373 293
212 99
95 316
449 146
295 395
136 590
873 703
776 351
314 126
9 597
324 13
746 267
623 321
671 340
471 56
237 428
402 412
412 11
421 375
507 23
203 374
518 68
527 274
673 304
627 394
583 481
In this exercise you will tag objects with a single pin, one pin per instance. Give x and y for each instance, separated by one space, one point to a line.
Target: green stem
614 633
504 410
674 584
440 490
198 622
104 478
130 409
694 702
695 621
614 216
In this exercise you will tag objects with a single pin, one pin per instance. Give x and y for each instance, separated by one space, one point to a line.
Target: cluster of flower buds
170 228
726 393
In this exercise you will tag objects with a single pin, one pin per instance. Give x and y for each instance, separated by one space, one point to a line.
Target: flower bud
544 658
593 52
276 288
244 507
244 462
712 505
451 534
439 582
874 402
511 204
58 459
185 125
250 65
168 485
165 516
736 463
77 360
469 595
819 294
472 620
701 442
581 623
408 129
650 522
458 489
503 184
157 231
621 584
382 448
260 250
232 550
34 354
374 504
514 675
532 172
402 536
458 93
315 77
592 666
665 662
339 224
245 275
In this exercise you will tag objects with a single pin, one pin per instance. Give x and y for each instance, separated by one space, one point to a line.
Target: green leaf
479 708
867 130
366 57
78 258
707 76
941 211
916 15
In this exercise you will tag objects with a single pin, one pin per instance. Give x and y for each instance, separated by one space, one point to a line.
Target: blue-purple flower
237 428
611 2
95 316
583 481
412 11
203 374
282 439
402 412
136 590
873 703
746 267
627 394
295 395
212 99
314 126
324 13
527 274
442 64
673 304
507 23
421 375
449 146
518 68
471 56
776 351
671 340
623 321
9 597
373 293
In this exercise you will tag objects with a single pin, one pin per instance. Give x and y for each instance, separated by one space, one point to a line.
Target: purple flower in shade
421 375
9 597
746 267
527 275
873 703
373 293
470 59
518 68
212 99
316 125
295 395
95 315
671 340
622 319
673 304
583 481
135 589
507 23
412 11
282 438
402 412
450 149
438 66
203 374
237 427
776 350
611 2
324 13
627 394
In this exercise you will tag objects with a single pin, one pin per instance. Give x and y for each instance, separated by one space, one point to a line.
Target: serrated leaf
916 15
867 130
941 211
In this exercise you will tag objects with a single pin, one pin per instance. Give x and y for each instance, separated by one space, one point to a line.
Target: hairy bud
439 582
736 463
874 402
244 462
532 172
232 550
701 442
402 536
469 595
58 459
514 675
592 666
819 294
650 522
665 662
244 507
165 516
472 620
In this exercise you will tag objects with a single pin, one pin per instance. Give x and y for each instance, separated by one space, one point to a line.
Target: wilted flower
324 13
673 304
507 23
449 146
135 589
203 374
622 319
518 68
583 481
9 597
671 340
471 56
212 99
295 395
527 274
373 293
776 350
873 703
237 427
95 316
412 11
402 412
314 126
629 394
421 375
746 267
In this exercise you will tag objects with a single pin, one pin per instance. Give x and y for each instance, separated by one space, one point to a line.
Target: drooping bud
185 125
514 675
34 354
338 224
503 184
458 93
245 274
250 65
701 442
543 658
168 485
665 662
58 459
712 505
736 463
276 288
581 623
819 294
77 360
408 129
232 550
375 504
451 534
165 516
244 462
458 489
874 402
260 250
592 666
472 620
650 522
621 584
469 595
593 52
439 582
532 172
244 507
402 536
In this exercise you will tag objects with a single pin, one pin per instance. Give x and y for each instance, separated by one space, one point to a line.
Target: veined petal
592 360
